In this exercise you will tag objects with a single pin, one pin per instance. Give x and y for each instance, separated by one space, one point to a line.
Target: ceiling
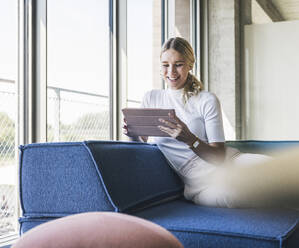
265 11
289 9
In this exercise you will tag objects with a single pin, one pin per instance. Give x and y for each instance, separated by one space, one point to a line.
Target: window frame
32 65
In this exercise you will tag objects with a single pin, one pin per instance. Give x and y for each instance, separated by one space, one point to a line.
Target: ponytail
192 87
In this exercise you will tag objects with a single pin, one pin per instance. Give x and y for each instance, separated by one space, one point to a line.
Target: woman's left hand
177 129
214 152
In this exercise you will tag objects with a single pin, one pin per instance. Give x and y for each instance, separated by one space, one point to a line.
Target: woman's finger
168 123
173 132
176 119
165 129
125 129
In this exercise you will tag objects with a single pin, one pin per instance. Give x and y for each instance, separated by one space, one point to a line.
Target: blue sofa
59 179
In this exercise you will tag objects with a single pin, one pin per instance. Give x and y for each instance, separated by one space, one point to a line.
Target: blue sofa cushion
198 226
136 175
60 178
27 223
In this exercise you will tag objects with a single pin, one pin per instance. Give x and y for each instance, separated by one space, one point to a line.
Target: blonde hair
192 86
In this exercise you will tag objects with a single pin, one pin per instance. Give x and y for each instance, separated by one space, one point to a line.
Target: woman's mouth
173 79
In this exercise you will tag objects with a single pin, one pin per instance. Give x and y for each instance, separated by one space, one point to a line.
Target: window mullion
33 94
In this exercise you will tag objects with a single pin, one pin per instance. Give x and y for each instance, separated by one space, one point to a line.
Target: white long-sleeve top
201 113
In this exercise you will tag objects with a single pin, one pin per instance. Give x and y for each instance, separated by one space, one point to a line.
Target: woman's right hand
132 138
125 128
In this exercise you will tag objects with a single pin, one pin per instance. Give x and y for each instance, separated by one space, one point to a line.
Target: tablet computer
145 121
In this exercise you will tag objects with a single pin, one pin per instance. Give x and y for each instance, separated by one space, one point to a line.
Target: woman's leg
252 180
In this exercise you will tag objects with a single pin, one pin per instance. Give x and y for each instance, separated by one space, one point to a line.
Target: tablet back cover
145 121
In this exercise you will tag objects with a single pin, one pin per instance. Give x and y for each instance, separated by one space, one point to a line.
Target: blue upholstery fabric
198 226
259 146
60 178
27 223
136 175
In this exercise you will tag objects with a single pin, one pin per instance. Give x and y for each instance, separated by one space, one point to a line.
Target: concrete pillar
224 61
179 18
182 18
179 25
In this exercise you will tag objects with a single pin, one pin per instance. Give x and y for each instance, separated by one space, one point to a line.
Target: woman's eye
179 65
165 65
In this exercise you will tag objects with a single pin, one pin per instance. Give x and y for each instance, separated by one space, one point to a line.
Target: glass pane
78 70
271 62
8 117
143 48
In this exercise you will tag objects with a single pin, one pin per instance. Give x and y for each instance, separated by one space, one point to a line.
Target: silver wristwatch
195 143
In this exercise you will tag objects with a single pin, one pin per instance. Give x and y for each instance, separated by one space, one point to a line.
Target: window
78 70
143 48
68 48
8 119
271 62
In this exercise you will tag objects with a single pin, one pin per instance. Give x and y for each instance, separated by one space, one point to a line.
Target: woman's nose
172 70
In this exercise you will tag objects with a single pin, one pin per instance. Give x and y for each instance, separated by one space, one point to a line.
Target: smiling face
174 69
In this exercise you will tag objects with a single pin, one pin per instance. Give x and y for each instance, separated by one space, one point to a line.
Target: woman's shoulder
154 93
207 96
152 97
206 101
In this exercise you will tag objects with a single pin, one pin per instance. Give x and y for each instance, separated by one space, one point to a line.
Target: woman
213 174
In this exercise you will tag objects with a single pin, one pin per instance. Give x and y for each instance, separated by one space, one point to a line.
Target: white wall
271 87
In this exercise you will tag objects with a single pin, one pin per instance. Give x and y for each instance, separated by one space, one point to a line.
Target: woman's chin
175 85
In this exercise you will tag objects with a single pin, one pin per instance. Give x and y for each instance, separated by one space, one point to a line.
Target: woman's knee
216 197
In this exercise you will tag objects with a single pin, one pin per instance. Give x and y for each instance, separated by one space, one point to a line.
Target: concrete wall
224 60
179 25
182 18
179 18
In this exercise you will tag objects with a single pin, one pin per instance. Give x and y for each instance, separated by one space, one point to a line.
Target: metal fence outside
8 210
72 116
76 116
8 168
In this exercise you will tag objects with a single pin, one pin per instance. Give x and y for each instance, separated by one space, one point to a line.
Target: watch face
195 144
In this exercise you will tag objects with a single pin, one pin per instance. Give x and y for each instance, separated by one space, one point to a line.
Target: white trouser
246 180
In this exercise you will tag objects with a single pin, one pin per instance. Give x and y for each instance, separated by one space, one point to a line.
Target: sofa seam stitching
22 150
288 233
116 209
236 234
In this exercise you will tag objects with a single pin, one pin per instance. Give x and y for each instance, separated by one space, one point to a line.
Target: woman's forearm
213 152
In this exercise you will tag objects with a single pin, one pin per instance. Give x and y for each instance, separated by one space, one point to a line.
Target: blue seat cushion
27 223
135 175
198 226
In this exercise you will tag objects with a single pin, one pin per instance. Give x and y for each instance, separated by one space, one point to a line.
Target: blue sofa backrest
135 175
260 146
58 179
